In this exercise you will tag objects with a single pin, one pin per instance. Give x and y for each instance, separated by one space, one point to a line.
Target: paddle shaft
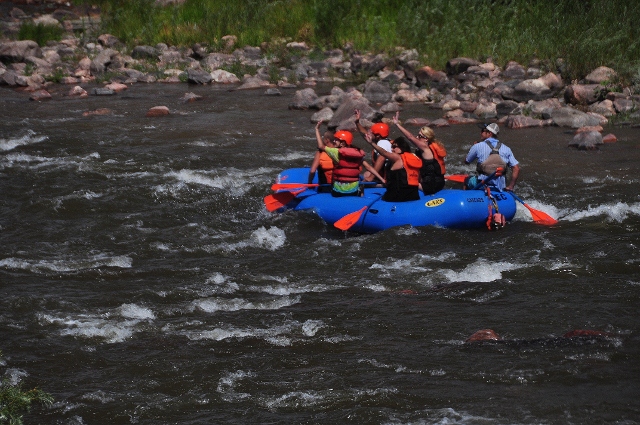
488 178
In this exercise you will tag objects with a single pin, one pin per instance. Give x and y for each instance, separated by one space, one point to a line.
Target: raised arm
321 145
392 156
363 131
417 142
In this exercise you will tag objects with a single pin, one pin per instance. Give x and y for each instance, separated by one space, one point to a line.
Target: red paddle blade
349 220
285 186
278 200
456 177
540 217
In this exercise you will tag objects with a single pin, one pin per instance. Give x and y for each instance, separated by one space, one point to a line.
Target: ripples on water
142 280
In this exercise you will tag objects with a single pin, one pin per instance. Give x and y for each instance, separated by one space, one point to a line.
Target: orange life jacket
326 165
412 165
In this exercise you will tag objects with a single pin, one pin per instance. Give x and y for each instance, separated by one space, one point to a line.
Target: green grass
584 33
40 33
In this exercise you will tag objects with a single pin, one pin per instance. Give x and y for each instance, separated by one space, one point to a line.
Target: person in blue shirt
490 154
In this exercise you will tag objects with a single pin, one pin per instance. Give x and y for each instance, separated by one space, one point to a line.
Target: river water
142 281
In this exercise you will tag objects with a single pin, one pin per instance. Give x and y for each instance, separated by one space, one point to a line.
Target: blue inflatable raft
450 208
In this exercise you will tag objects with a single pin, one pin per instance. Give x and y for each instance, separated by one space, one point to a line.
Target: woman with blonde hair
432 152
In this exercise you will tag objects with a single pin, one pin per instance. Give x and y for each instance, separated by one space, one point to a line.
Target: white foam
90 326
40 266
234 181
222 284
112 327
295 399
618 211
99 396
227 385
133 311
271 239
480 271
14 376
442 416
282 335
311 327
283 290
291 156
28 139
212 305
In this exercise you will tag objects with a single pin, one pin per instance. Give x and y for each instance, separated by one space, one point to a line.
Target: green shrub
15 402
40 33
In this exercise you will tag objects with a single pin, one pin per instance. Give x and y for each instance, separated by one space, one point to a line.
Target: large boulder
583 94
100 63
377 92
215 60
343 118
535 89
605 108
486 110
457 65
9 78
600 75
553 81
409 95
40 95
144 52
198 76
542 109
508 107
253 82
569 117
368 65
303 99
323 115
108 40
521 121
587 140
224 77
17 51
514 71
426 75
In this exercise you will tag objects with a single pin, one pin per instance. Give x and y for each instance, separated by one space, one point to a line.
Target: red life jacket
348 167
412 165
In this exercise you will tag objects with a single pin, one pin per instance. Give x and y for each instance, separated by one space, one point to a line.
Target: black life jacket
431 177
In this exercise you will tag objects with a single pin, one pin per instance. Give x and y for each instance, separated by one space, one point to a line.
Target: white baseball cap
493 128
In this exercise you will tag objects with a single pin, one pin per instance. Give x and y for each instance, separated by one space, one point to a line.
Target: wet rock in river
157 111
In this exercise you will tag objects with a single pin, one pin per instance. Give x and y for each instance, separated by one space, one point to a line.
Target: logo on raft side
434 202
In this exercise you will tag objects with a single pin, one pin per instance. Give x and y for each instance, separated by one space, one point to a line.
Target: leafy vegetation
40 33
584 33
15 402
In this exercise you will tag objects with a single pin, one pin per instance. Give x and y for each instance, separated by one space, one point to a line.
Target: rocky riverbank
467 91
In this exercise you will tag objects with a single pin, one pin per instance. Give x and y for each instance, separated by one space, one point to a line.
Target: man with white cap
491 154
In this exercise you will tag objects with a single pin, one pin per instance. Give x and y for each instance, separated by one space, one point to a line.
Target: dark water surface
143 282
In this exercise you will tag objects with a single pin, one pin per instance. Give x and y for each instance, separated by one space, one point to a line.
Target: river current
142 281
